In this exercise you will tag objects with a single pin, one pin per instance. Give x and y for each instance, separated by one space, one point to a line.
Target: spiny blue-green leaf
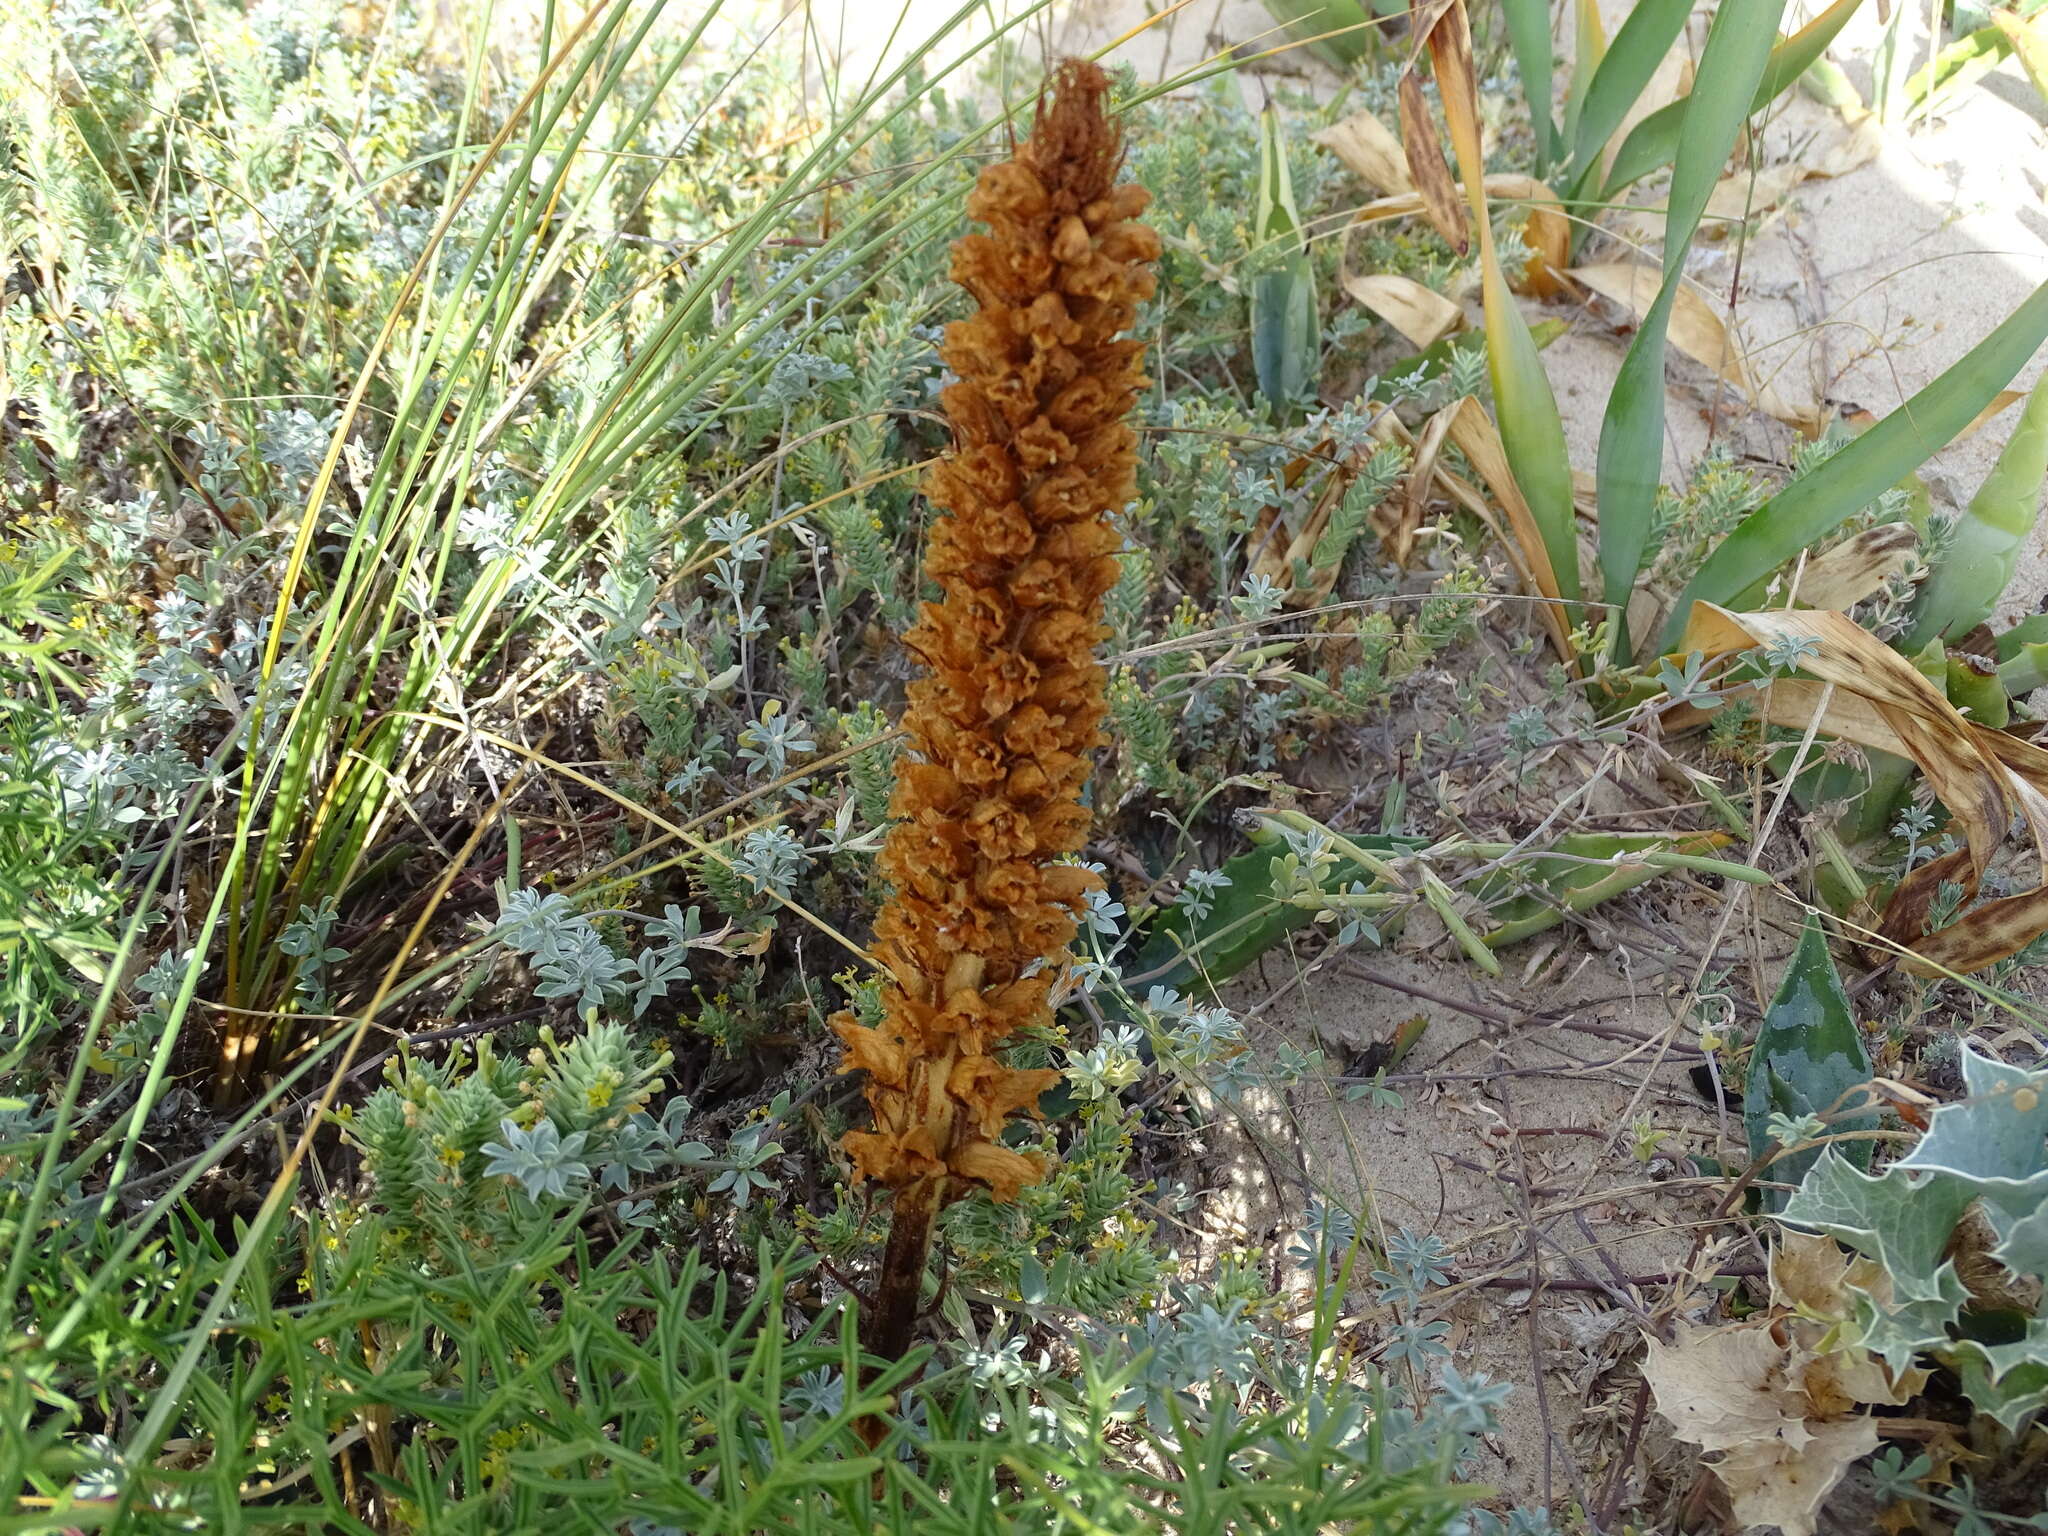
2007 1381
1898 1330
1994 1143
1901 1219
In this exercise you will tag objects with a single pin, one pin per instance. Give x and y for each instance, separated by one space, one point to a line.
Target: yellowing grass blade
1879 700
1530 430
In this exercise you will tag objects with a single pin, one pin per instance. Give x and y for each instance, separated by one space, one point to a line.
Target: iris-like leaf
1813 506
1286 332
1632 430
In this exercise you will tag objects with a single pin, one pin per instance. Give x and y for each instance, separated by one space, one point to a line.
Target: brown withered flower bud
1004 722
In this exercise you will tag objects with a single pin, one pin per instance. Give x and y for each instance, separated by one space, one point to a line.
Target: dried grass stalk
1003 723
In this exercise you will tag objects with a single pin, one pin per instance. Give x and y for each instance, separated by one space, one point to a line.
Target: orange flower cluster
1003 724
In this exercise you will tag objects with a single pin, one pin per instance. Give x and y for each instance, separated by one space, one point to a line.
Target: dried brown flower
1004 721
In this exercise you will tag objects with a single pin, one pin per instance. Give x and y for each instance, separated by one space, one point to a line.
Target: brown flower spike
1002 726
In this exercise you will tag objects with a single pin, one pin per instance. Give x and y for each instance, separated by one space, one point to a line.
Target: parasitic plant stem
1003 723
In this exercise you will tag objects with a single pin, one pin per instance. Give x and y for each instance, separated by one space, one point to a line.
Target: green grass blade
1529 34
1632 431
1653 142
1810 508
1976 563
1639 45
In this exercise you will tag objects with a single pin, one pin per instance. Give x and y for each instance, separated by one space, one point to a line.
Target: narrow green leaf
1807 1055
1653 142
1978 559
1632 430
1579 872
1529 35
1638 47
1956 67
1340 32
1810 508
1246 917
1531 431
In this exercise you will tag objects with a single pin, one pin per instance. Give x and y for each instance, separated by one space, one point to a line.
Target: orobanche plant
1003 724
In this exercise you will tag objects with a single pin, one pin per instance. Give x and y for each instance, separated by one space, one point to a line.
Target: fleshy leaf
1807 1056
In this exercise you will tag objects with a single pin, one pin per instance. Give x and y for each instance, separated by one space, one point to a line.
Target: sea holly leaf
1994 1137
2007 1381
1995 1141
1808 1056
1900 1218
2023 1244
1895 1330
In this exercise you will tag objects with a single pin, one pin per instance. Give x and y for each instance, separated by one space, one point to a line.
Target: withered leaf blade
1983 776
1442 203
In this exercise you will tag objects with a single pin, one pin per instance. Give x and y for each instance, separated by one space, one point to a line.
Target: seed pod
1003 723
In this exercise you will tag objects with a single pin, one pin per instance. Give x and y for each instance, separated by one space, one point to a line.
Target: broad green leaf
1977 560
1731 66
1246 918
1808 1054
2023 656
1653 142
1286 332
1813 506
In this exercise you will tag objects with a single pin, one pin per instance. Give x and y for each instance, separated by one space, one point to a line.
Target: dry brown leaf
1983 776
1442 202
1842 575
1725 1387
1807 1271
1371 150
1400 537
1771 1482
1781 1413
1422 315
1696 330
